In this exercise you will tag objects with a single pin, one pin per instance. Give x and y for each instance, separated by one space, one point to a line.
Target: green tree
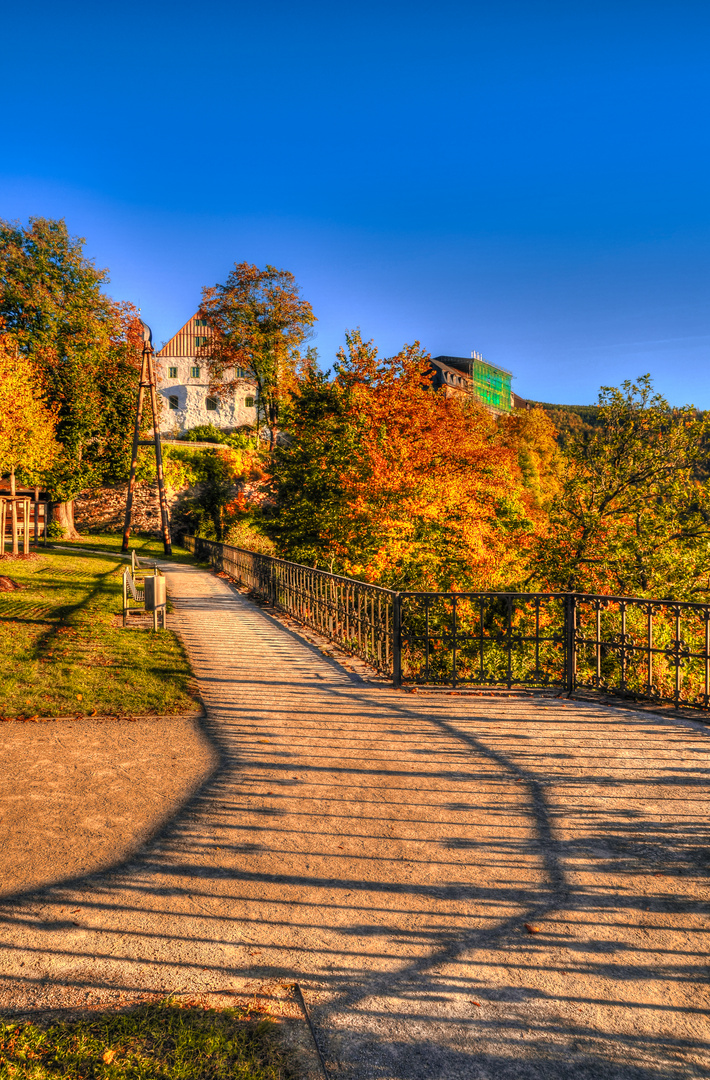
214 473
83 346
315 524
632 517
258 323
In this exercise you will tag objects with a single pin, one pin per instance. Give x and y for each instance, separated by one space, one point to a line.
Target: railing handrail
299 566
649 648
459 594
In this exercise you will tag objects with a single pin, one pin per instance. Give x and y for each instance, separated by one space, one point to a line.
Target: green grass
63 651
111 542
164 1041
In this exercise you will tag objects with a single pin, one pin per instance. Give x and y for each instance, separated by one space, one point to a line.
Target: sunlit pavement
464 887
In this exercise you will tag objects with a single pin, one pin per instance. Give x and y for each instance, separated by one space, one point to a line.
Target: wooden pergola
20 513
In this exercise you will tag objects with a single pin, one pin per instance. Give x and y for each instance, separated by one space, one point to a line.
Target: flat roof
475 360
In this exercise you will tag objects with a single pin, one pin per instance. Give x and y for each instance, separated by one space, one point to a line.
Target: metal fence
643 649
359 617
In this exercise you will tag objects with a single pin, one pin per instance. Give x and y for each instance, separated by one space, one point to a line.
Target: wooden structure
147 382
21 513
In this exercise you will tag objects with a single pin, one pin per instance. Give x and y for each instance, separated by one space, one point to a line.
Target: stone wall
103 510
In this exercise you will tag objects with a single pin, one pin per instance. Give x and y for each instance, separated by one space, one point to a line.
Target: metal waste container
155 597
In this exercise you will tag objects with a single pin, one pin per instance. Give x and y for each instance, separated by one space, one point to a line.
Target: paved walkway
387 850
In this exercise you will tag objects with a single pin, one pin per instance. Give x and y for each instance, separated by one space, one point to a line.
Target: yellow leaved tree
28 445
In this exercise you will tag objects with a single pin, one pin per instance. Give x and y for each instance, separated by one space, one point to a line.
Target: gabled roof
456 373
183 343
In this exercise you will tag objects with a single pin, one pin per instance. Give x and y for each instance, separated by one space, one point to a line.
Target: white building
184 385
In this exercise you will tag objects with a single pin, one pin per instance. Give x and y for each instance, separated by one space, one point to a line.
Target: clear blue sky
529 180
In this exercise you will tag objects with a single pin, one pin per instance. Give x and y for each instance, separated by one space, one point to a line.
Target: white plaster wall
192 394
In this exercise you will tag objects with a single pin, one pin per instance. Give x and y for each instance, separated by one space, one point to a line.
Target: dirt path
387 850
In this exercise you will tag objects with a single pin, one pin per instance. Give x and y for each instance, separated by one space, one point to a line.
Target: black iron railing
649 650
359 617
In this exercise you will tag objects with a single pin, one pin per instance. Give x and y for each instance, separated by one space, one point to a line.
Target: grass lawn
155 1042
111 542
63 651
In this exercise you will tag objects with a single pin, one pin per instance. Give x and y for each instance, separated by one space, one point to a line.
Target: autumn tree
258 323
386 479
532 437
84 347
28 446
633 516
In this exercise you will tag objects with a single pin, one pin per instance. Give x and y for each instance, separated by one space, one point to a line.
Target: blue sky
529 180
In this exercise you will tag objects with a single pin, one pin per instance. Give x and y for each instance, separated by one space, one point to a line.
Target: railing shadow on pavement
387 855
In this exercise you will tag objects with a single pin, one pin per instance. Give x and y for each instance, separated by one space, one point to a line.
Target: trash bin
155 595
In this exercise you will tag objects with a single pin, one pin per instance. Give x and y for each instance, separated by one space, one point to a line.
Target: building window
173 401
200 341
211 403
200 322
249 402
172 373
195 372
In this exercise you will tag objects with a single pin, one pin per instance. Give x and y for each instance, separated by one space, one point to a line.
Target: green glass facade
492 385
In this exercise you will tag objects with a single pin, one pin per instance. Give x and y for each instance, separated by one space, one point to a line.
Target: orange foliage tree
388 480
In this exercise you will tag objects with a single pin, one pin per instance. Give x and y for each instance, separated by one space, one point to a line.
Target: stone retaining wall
103 510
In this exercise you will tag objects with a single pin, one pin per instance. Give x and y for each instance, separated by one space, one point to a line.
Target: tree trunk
63 514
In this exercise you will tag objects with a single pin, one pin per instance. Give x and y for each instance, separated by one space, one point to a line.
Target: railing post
570 641
397 640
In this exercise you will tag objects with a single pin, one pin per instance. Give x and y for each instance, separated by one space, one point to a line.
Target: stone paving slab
463 887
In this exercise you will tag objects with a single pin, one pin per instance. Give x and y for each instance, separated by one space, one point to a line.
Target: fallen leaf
79 697
532 929
475 1002
93 712
108 1056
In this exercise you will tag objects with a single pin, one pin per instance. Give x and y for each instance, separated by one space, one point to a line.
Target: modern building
184 385
473 375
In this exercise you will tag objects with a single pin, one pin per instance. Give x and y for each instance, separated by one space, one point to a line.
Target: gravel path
385 850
